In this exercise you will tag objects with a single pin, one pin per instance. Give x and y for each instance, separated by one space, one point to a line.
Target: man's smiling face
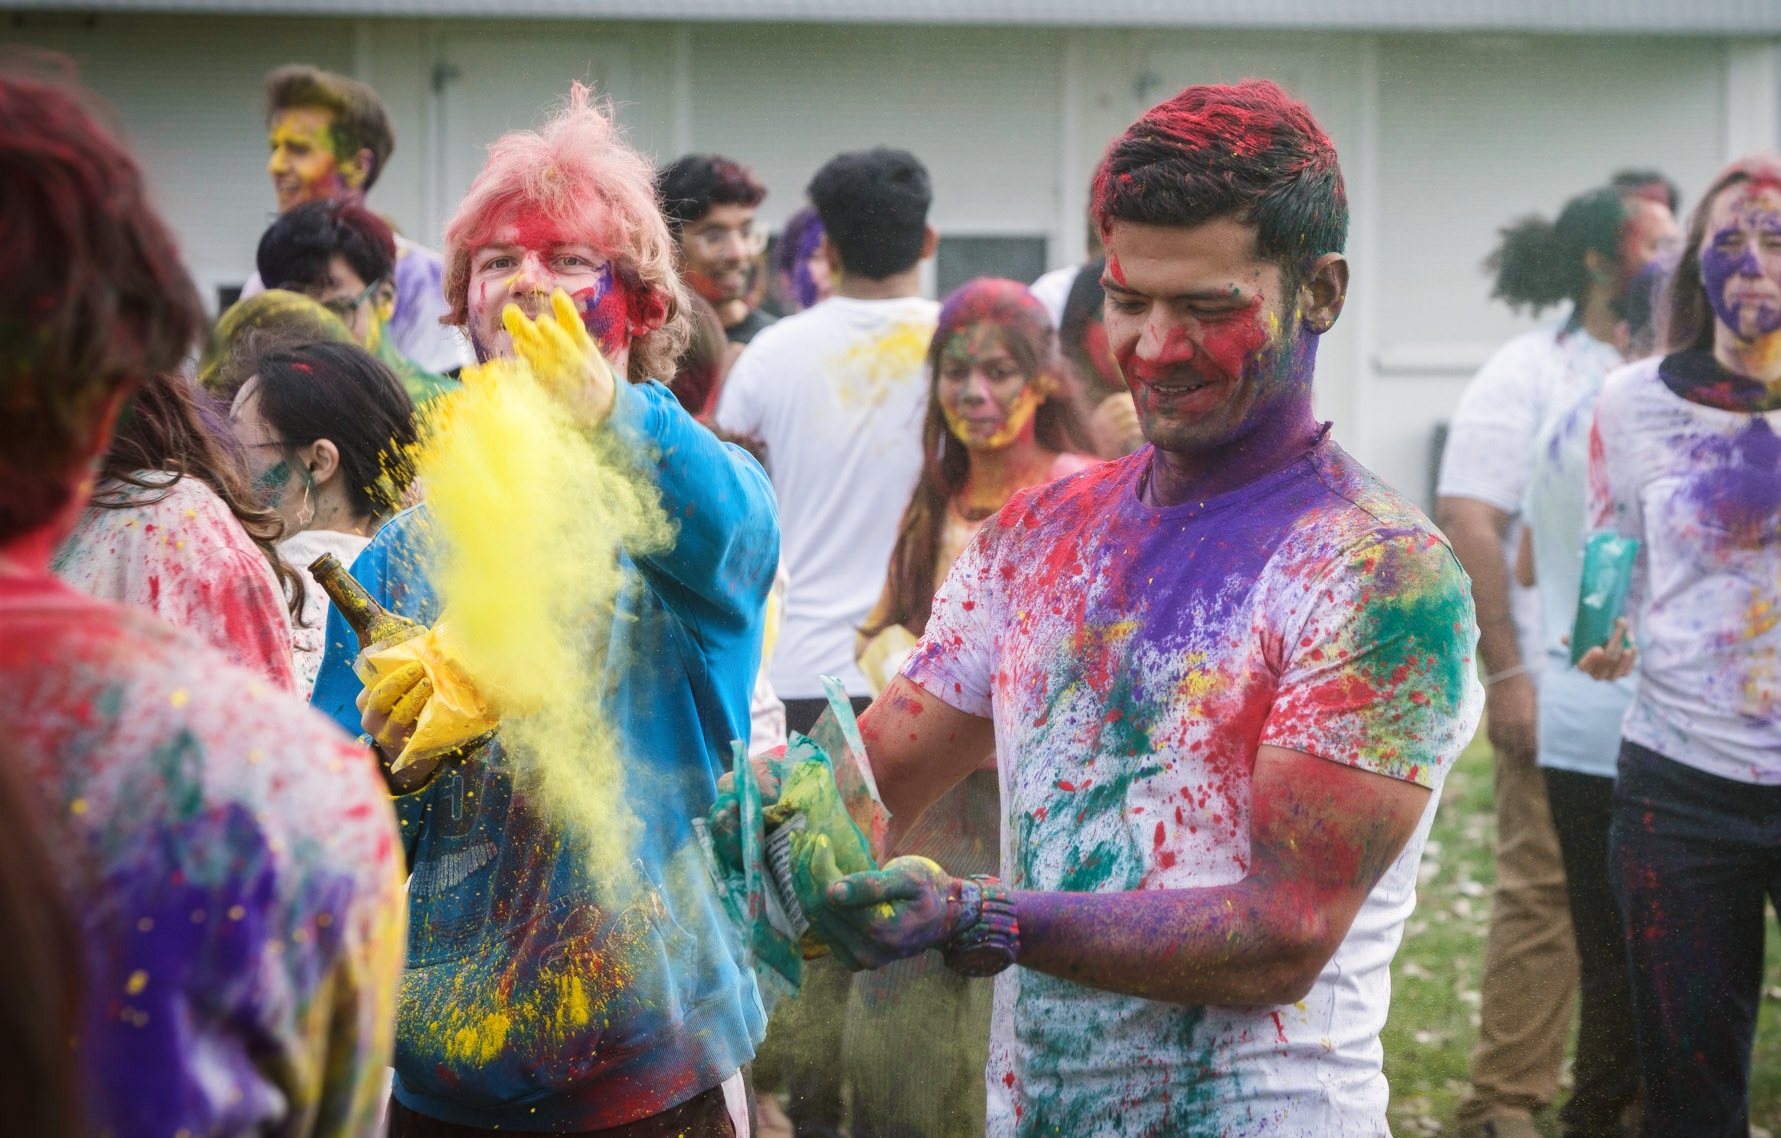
1201 330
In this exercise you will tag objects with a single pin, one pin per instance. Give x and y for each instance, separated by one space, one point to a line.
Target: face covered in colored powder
281 482
1197 323
987 399
304 165
718 249
523 264
1741 259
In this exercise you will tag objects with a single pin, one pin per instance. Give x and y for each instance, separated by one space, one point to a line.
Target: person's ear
930 240
385 300
1324 291
321 458
356 171
831 256
1597 266
649 311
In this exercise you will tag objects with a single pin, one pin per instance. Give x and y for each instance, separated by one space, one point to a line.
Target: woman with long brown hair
172 527
1685 457
997 423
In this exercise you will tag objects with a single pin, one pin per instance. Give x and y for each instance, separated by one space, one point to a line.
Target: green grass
1435 979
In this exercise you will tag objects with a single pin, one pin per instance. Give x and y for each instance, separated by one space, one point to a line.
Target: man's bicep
1328 830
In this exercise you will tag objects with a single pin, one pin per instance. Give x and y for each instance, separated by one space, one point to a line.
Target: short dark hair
1540 263
295 250
690 185
1248 151
1649 184
93 297
342 393
360 120
874 209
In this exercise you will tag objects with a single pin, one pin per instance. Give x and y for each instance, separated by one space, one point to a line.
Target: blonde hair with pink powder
579 174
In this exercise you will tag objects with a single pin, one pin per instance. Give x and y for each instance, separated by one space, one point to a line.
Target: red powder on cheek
1228 345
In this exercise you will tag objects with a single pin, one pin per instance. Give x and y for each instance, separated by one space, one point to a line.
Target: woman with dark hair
327 429
171 527
996 424
1685 456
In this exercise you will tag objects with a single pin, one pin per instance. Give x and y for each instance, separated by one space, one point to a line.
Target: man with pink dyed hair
540 997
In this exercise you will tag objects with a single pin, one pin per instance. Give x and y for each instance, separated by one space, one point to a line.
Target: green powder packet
1607 575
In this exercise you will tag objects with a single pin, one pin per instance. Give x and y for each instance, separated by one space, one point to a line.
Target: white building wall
1444 138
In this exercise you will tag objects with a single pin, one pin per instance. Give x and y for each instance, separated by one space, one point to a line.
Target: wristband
1506 674
987 939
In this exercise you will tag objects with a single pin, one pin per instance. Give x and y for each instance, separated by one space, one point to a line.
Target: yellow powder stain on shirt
867 370
136 983
179 698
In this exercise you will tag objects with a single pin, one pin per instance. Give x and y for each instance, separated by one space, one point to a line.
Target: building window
960 258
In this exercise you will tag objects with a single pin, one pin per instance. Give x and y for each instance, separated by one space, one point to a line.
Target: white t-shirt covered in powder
1133 659
299 551
1490 441
837 394
1700 487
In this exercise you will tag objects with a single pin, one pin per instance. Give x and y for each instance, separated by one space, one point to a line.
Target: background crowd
1638 793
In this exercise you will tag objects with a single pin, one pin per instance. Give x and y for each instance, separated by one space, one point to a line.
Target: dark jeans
1606 1075
1692 857
801 714
703 1116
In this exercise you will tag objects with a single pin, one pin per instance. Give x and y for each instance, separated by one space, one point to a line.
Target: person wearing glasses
330 137
710 202
343 257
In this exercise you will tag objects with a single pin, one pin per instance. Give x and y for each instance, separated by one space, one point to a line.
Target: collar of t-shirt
1239 494
1698 377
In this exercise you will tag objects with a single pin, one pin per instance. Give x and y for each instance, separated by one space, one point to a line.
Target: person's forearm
1225 945
1476 532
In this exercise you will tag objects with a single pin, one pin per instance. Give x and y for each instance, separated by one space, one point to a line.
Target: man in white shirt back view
836 395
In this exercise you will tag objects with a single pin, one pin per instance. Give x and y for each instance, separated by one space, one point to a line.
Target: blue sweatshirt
533 999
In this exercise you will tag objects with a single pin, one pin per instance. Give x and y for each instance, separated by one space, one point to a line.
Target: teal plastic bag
1607 575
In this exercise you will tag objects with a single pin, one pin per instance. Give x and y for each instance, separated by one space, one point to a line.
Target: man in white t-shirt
1589 256
836 395
1223 677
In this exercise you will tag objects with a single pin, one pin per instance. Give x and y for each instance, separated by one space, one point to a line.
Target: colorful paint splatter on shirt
1700 487
233 861
180 554
1133 659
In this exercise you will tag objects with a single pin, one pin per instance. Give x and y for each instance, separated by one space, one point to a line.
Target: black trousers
1606 1075
1692 857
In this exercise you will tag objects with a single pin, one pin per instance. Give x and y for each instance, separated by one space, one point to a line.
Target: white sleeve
739 410
1490 441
